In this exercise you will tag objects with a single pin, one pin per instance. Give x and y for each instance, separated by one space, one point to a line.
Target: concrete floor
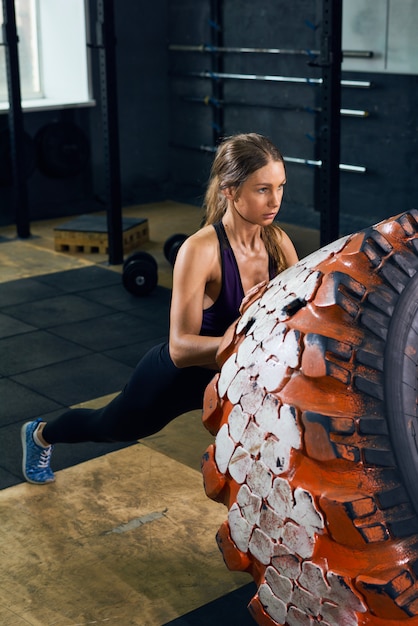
125 536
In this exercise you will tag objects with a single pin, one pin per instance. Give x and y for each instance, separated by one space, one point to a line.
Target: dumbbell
140 273
172 246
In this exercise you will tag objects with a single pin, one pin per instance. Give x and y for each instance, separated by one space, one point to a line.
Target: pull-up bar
362 84
356 54
344 167
208 100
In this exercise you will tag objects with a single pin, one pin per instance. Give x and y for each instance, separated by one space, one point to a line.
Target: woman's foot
36 458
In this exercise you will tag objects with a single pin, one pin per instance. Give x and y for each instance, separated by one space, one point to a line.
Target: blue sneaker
35 463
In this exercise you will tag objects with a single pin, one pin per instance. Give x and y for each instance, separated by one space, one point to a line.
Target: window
388 28
26 20
53 55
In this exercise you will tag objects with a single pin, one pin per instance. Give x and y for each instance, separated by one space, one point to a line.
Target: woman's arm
197 264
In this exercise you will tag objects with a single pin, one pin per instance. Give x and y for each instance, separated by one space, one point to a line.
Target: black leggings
156 393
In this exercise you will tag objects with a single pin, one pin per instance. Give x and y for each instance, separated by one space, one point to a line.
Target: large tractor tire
316 450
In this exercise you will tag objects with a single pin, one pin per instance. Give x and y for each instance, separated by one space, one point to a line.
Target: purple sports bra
225 309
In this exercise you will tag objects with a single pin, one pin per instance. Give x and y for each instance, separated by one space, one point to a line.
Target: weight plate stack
140 274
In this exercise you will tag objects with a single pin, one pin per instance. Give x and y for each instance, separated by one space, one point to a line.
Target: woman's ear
229 193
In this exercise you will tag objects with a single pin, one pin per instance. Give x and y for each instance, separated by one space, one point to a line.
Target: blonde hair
236 158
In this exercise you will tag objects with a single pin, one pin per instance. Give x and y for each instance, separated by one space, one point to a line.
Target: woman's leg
156 393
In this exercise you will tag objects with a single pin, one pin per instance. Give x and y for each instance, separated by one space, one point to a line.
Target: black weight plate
63 149
172 246
138 256
174 251
140 277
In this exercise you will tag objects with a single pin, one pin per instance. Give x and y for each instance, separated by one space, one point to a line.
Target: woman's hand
250 295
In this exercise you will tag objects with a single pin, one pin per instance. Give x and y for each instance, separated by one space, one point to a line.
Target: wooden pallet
88 234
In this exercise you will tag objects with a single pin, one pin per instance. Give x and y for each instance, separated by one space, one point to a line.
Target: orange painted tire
316 455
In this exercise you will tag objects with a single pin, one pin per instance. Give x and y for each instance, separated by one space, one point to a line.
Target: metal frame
16 129
329 60
216 21
330 122
106 44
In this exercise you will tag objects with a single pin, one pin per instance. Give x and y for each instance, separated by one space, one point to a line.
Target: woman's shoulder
198 257
205 236
201 245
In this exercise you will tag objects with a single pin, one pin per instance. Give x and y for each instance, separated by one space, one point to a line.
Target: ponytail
215 202
271 236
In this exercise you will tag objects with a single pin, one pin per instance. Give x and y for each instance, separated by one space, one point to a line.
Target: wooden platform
89 234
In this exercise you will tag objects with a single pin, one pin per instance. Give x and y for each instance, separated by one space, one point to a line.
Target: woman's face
259 198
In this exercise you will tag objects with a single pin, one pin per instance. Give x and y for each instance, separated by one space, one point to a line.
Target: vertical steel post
217 66
106 42
16 132
330 133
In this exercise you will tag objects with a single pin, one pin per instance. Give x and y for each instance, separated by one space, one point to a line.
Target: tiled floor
62 343
70 334
69 331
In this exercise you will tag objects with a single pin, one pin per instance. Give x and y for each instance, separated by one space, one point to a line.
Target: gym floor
126 534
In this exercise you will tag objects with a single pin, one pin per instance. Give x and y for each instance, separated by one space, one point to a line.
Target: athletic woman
238 249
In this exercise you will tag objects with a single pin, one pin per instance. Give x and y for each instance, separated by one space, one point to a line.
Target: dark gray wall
267 107
141 29
143 103
162 130
385 142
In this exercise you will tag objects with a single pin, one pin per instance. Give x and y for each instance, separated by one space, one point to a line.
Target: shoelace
44 458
